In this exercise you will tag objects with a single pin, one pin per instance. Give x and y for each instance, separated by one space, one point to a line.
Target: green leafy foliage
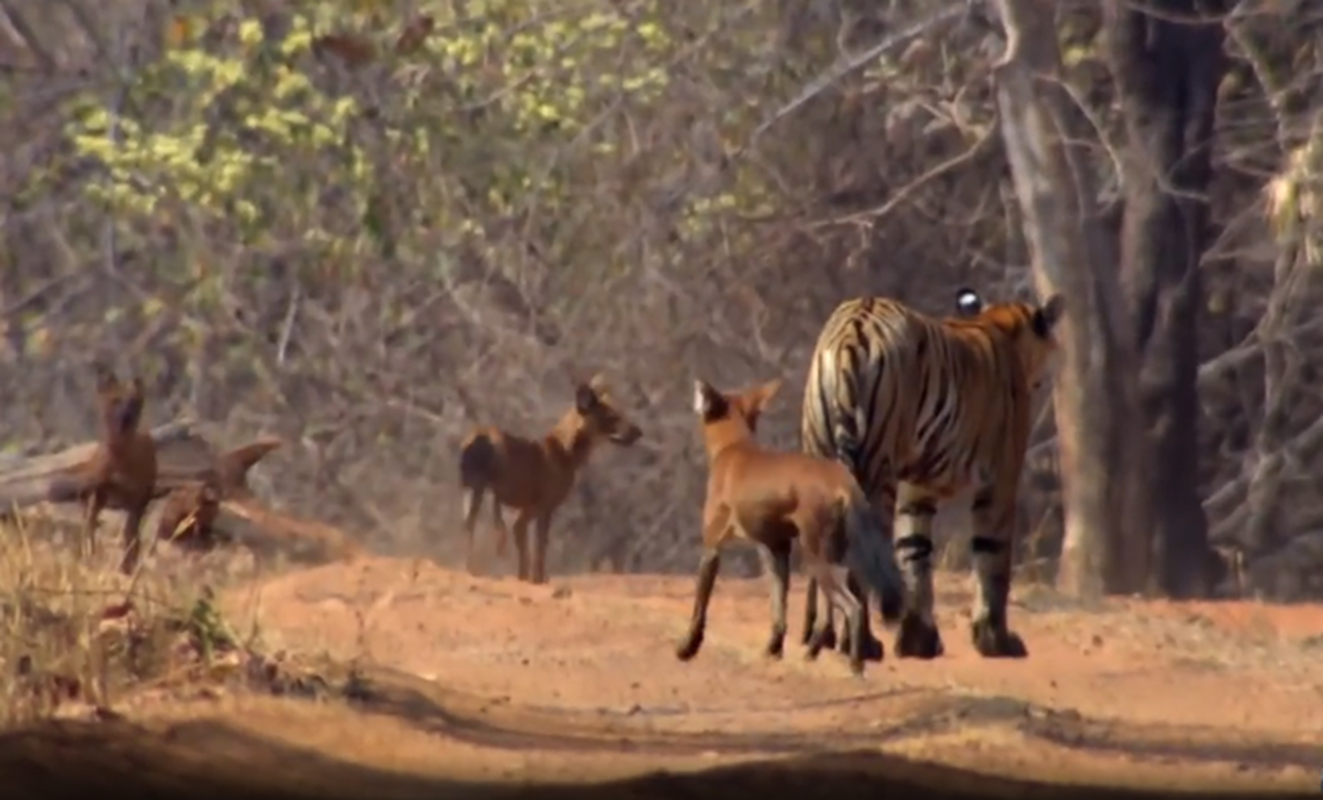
347 147
241 108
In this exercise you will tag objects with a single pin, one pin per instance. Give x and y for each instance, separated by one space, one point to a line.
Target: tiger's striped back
932 401
920 408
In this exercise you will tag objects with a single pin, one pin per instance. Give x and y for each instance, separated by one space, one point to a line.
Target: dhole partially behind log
122 473
535 476
772 498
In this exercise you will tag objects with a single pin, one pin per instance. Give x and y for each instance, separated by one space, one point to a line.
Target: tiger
920 409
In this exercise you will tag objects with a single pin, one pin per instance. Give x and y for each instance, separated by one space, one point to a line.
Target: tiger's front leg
993 512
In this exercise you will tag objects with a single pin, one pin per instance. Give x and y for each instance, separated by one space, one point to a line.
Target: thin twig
858 60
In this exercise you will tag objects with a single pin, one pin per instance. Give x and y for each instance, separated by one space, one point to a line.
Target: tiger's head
1030 327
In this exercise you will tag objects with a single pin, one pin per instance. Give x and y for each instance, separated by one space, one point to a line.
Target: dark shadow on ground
208 760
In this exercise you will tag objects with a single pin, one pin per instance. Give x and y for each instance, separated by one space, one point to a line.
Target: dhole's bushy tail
477 470
869 553
477 462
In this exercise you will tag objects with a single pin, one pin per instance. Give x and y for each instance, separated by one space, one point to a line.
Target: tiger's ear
1048 315
968 303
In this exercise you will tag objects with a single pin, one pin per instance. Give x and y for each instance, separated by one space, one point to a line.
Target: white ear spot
700 399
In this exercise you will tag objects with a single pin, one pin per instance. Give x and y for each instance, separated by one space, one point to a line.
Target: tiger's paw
918 638
997 641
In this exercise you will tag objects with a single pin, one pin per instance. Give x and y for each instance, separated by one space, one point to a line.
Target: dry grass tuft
77 637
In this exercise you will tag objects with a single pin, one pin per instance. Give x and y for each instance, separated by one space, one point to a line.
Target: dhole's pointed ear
1048 315
707 401
130 410
760 396
585 398
104 377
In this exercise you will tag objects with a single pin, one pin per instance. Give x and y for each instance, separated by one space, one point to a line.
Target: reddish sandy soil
507 684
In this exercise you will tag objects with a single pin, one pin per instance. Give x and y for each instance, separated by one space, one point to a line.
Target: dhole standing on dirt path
771 498
122 472
535 477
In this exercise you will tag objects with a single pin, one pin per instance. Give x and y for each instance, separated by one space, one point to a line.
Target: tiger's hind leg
918 636
993 513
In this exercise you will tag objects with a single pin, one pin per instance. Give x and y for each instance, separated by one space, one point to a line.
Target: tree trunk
1105 544
1167 75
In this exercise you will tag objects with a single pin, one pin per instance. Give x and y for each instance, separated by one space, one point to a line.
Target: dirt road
502 685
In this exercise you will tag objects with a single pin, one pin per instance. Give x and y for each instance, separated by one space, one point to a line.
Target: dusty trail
502 684
586 664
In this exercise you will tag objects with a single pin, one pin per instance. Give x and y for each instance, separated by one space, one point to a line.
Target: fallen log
242 522
184 457
267 533
204 496
205 500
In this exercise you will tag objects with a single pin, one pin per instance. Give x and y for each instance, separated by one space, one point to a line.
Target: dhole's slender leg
833 580
472 507
811 611
872 647
918 636
776 562
521 544
87 545
993 514
821 635
498 526
825 635
132 540
541 537
708 567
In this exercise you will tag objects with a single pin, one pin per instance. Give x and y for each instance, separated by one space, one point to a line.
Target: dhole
771 498
535 477
188 516
122 471
189 512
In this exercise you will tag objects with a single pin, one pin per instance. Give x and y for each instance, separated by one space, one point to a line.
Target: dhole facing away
122 472
771 498
535 476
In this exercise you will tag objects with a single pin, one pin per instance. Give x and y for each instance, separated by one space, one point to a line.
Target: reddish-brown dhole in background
772 498
534 476
121 473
